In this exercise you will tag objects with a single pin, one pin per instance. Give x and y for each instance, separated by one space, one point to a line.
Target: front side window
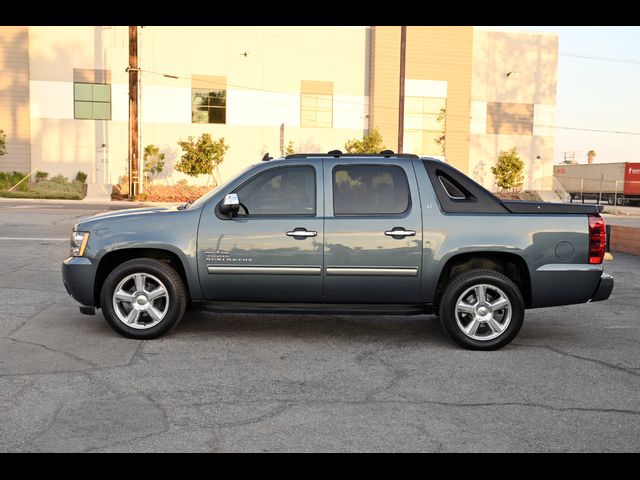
91 101
208 105
280 191
370 190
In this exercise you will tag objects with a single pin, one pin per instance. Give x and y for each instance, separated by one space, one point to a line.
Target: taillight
597 238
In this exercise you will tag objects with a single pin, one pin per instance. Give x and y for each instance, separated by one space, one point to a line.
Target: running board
318 308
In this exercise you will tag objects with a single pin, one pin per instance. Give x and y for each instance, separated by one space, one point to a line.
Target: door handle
301 232
400 232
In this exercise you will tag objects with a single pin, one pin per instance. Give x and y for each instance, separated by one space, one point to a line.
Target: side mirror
230 205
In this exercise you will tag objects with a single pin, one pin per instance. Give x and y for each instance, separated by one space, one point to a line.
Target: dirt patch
163 193
528 195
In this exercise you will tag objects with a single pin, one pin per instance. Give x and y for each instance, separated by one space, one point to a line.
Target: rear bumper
567 284
78 276
605 287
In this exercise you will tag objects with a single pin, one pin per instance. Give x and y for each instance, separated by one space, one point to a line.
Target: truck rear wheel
143 298
481 310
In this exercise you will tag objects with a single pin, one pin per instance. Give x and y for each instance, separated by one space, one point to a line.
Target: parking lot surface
251 382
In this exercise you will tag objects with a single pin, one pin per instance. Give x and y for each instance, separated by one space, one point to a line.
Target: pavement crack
55 350
613 366
274 412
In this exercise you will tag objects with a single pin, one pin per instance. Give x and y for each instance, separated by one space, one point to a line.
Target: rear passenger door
373 231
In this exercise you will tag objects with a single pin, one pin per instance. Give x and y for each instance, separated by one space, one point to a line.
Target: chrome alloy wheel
140 301
483 312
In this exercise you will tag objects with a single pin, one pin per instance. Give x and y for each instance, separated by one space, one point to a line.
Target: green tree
508 170
201 156
153 162
289 150
370 143
3 142
441 119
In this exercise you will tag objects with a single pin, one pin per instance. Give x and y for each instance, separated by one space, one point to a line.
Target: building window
208 99
92 101
424 127
316 104
208 105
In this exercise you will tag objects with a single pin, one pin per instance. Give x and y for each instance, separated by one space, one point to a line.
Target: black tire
176 294
457 287
621 201
611 200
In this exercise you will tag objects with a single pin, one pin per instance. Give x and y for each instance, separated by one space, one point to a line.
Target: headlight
78 243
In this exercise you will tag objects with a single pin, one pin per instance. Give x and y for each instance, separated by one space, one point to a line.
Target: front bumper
605 287
78 276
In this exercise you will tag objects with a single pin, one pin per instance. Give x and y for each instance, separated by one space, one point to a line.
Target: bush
153 161
201 156
8 180
81 176
60 179
508 170
3 142
40 175
370 143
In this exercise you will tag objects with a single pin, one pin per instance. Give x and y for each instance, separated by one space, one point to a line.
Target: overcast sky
597 94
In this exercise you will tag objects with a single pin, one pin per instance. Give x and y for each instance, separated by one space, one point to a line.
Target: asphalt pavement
251 382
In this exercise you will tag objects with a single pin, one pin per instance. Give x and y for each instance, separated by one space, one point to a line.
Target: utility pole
403 58
134 177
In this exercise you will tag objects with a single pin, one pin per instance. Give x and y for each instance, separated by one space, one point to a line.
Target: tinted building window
280 191
91 101
370 190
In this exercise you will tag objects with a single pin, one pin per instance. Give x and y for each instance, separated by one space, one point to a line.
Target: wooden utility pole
403 58
134 177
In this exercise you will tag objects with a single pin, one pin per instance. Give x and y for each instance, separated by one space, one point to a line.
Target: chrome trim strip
373 271
264 270
570 267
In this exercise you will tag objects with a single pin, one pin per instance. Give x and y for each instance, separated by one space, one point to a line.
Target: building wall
434 55
14 98
515 110
263 91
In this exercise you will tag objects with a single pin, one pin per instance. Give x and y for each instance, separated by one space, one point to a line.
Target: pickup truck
336 233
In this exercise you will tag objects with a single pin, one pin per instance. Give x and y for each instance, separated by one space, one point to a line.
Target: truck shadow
268 325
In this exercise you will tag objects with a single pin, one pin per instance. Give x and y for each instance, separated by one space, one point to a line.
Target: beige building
64 94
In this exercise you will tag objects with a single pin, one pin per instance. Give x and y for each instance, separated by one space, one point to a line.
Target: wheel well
509 264
112 259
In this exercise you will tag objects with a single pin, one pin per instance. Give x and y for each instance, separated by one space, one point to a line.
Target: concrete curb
86 203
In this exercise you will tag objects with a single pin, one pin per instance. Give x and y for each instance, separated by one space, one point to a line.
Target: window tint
369 190
280 191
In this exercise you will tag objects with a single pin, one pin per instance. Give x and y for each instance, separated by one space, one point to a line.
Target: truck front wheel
143 298
481 310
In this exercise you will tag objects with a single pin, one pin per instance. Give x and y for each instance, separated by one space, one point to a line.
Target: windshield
203 199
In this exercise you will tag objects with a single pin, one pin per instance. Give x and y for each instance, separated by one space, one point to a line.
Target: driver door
272 250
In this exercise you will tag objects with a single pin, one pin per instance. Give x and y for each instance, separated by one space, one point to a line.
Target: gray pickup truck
388 233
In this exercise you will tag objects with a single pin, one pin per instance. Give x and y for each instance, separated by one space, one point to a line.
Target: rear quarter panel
537 239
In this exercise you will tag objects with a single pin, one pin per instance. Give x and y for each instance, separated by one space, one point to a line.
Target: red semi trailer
614 183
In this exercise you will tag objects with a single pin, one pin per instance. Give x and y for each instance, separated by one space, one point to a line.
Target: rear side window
370 190
280 191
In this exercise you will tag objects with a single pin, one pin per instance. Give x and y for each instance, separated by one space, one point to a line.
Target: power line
599 58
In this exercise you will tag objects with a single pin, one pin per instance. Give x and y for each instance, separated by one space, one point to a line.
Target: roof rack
339 154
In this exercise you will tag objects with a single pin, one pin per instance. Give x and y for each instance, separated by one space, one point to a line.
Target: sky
596 94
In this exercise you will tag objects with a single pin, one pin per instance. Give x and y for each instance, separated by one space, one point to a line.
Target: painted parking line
36 239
